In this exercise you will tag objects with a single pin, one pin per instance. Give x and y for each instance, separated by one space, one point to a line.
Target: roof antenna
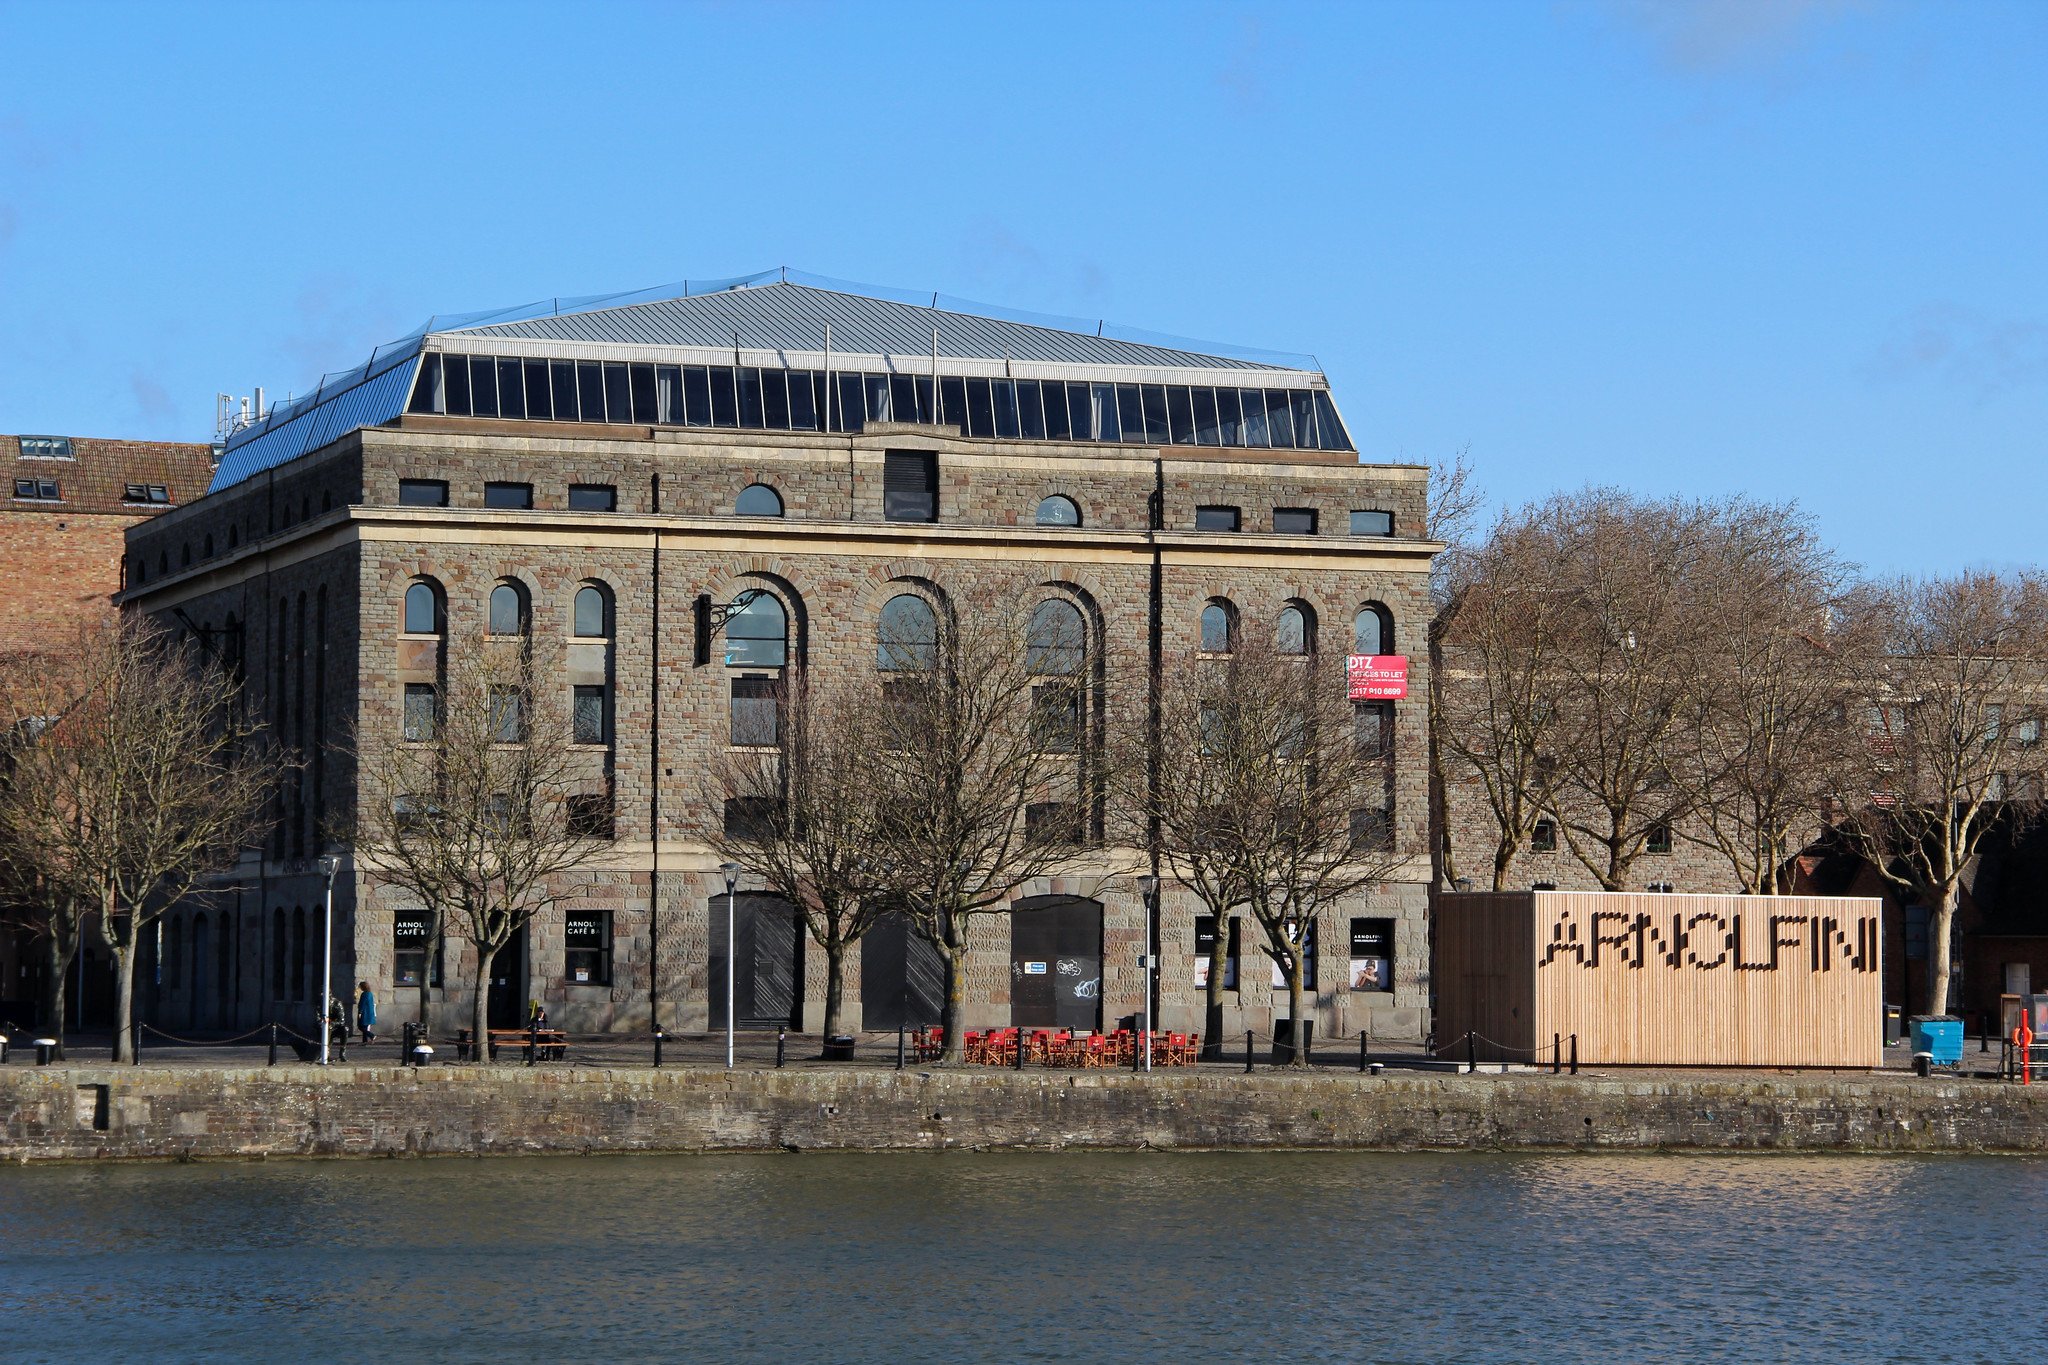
935 300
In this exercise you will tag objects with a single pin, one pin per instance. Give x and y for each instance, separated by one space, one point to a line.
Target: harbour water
1039 1257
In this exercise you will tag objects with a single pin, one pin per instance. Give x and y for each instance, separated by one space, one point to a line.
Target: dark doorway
766 990
902 977
507 1005
1056 963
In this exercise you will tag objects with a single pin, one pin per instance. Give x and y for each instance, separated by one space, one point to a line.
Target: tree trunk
1503 858
1297 1055
480 1005
1212 1010
956 996
124 1004
53 988
1939 934
835 966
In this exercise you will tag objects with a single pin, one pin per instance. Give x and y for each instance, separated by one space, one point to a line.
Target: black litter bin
1283 1039
1894 1025
839 1047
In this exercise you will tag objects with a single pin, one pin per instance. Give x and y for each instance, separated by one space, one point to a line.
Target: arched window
757 635
1219 627
1056 640
1058 511
758 500
1295 630
907 634
593 613
423 609
508 609
1373 632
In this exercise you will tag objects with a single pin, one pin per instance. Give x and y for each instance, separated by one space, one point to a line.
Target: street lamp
328 865
1148 889
731 873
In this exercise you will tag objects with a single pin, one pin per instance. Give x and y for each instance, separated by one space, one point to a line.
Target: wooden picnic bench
553 1044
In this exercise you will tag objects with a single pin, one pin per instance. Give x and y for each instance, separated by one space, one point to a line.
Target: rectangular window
562 387
1294 521
1207 430
640 390
1153 402
910 485
1056 717
1052 822
589 721
756 712
422 710
590 389
590 815
422 492
953 402
46 447
1058 416
749 817
1030 411
618 395
511 390
158 493
1371 523
668 395
409 934
902 398
36 490
507 714
1303 408
725 410
512 496
1006 408
1543 838
1205 943
981 418
1217 518
1279 417
593 497
540 405
1180 414
587 947
1254 430
483 386
749 380
1372 955
803 405
1372 829
775 399
853 403
1330 431
1658 840
697 396
1374 727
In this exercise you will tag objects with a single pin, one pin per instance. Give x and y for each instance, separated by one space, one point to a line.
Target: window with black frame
1372 955
412 949
1205 946
587 947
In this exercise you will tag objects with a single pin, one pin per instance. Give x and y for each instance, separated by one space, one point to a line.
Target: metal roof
786 316
777 310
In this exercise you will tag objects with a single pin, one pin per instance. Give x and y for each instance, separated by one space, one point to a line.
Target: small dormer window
36 490
146 492
46 447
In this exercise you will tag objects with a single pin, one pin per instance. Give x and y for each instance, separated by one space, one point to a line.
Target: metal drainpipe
654 767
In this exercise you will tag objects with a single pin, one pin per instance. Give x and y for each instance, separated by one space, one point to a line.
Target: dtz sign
1708 941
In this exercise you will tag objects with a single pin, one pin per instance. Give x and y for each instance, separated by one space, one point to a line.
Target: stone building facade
315 546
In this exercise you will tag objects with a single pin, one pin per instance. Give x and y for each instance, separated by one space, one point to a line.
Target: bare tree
1273 796
139 788
1494 686
480 819
1770 729
987 762
1955 736
801 813
42 891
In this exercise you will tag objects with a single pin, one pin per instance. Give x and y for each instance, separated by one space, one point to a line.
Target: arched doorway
1056 963
767 987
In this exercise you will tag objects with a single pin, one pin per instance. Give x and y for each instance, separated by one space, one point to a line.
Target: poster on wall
1377 677
1372 955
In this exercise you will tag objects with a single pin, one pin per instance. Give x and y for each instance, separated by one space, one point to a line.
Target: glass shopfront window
1372 955
411 949
587 937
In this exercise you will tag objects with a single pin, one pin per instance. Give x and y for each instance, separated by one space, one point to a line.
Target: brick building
606 467
61 540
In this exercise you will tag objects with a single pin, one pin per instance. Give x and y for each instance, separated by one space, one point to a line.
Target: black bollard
1983 1033
1471 1052
1575 1054
781 1046
1556 1053
1247 1052
1364 1051
1021 1045
273 1045
138 1042
658 1036
899 1043
532 1038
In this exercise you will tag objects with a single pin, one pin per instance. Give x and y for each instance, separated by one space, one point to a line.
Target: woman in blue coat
366 1012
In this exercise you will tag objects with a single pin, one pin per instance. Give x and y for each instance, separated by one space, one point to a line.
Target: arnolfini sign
1377 677
1663 980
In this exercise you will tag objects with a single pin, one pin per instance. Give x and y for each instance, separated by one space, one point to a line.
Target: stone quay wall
184 1114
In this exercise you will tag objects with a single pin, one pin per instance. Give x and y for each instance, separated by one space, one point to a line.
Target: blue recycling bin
1940 1038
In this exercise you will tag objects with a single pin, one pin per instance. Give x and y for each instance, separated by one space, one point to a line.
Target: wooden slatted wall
1484 945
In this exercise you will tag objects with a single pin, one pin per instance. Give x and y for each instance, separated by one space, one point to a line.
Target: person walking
366 1012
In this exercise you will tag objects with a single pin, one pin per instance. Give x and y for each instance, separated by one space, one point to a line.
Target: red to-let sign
1378 677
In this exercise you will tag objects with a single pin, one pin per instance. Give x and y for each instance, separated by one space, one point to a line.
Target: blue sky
1791 249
